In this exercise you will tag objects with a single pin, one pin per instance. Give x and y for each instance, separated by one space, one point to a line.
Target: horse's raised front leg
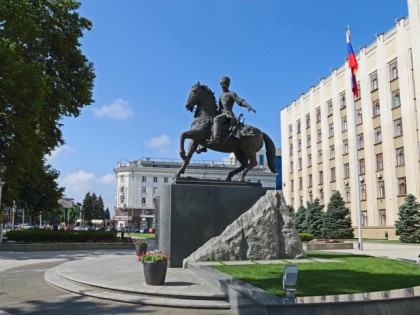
193 146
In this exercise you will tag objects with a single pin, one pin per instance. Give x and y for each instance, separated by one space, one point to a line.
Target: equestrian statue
217 128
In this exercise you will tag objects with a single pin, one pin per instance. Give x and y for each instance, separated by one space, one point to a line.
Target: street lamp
2 172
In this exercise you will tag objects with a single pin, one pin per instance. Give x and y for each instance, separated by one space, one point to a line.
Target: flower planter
155 272
140 249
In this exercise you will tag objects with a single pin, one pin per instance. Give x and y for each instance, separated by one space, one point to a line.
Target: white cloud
157 142
64 150
107 179
119 109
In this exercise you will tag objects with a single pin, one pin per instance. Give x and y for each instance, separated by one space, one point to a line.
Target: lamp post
2 172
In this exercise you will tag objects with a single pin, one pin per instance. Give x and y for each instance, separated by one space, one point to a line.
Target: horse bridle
195 95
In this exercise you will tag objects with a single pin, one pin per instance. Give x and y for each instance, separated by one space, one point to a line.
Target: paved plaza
23 289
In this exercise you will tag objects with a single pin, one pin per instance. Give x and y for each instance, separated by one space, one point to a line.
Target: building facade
367 146
138 181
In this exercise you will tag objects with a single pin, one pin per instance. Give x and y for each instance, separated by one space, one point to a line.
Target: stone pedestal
190 212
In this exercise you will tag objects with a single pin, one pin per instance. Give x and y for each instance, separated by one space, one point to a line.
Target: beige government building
322 127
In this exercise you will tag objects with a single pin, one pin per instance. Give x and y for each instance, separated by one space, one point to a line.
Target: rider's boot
217 129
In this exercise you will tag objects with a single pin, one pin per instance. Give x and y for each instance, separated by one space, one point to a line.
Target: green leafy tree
337 220
291 210
107 214
314 218
44 77
408 223
93 208
300 219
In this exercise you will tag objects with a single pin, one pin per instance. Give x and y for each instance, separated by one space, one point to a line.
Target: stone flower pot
155 272
140 249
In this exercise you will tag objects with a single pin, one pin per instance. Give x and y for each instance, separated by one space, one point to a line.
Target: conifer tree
337 220
300 220
408 223
314 218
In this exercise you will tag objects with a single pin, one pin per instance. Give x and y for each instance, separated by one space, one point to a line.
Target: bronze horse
202 101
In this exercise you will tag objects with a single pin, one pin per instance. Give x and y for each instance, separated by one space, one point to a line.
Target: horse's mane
210 92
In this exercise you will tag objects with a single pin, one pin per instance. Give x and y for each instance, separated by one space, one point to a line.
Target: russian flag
352 64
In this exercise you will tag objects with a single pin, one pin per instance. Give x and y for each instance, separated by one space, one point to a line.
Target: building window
299 145
332 174
379 162
320 177
396 101
143 201
400 156
318 114
309 159
308 140
330 107
308 121
155 179
291 149
332 152
300 183
122 199
345 146
398 129
382 217
347 194
363 192
393 70
344 123
360 142
362 169
359 117
331 130
298 126
380 186
364 218
373 81
165 179
122 189
290 130
378 135
291 166
154 190
318 135
143 189
319 156
346 170
122 179
143 179
376 109
402 188
342 100
292 183
310 180
300 163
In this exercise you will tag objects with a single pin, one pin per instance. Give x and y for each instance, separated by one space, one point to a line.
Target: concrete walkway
23 289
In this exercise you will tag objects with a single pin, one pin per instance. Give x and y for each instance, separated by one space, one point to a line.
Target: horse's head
203 97
193 98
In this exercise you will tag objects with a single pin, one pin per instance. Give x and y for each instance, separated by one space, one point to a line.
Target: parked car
152 230
130 229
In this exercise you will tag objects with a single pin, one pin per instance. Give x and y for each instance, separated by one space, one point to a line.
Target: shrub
47 236
306 237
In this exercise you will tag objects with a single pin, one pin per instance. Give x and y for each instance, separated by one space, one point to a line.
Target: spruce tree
300 220
314 218
337 220
408 223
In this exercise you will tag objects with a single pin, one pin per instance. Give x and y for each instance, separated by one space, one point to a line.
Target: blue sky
148 54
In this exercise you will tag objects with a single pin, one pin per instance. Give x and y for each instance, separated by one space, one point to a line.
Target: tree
337 220
92 208
408 223
300 219
314 218
291 210
43 77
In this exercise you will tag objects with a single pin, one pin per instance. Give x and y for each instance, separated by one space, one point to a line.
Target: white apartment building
137 182
322 127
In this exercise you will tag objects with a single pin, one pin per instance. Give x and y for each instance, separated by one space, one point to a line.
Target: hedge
51 236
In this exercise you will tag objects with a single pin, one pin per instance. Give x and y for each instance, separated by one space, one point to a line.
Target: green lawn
355 274
137 235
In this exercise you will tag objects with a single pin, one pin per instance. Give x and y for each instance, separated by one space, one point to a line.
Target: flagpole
356 158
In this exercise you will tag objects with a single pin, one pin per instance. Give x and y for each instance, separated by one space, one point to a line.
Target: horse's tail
270 149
